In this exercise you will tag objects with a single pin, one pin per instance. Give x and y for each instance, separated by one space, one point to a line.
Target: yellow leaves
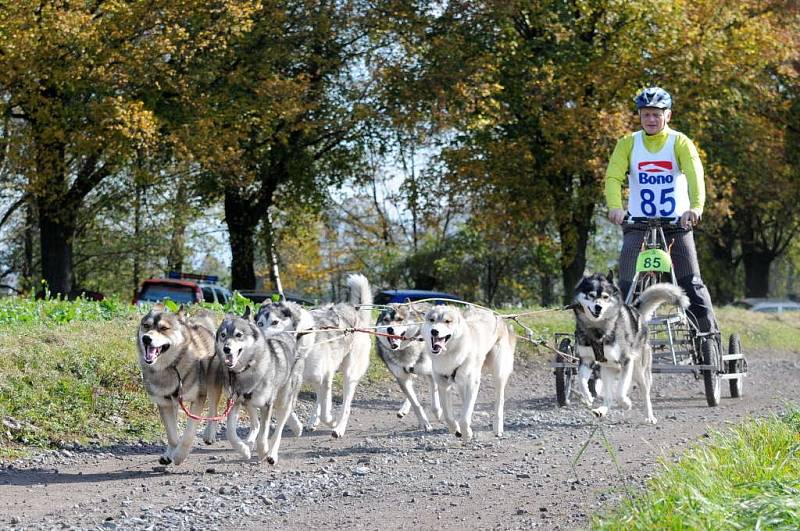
130 120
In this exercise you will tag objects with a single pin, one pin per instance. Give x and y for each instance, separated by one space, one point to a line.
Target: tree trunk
574 239
27 264
56 246
241 231
547 297
56 216
756 272
177 240
137 229
719 274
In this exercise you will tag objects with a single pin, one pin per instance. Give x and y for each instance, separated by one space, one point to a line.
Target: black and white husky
406 356
614 335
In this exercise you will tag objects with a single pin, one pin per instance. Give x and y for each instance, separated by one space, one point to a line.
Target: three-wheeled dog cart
678 346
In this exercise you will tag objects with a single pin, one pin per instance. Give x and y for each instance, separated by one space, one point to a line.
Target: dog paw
209 436
426 427
179 457
600 412
626 403
458 434
270 460
244 451
651 419
400 415
165 460
337 434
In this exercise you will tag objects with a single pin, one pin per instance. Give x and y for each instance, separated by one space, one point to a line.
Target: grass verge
748 478
74 383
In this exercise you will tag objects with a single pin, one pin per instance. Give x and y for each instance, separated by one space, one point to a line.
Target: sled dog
614 335
460 344
406 357
325 352
176 356
264 375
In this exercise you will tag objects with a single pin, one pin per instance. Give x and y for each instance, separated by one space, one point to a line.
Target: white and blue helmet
654 97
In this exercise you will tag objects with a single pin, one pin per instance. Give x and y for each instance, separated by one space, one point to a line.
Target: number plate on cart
654 260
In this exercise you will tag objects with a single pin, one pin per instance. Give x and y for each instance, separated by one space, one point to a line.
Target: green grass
56 311
748 478
761 330
77 382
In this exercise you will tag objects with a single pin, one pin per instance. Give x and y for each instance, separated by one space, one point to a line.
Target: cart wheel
711 380
563 374
735 366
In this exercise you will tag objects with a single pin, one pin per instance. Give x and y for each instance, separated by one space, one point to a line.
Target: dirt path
386 474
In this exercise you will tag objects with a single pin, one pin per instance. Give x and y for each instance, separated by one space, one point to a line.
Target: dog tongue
438 341
152 353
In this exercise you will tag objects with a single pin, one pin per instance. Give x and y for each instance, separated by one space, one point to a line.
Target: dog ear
246 314
158 307
610 275
181 313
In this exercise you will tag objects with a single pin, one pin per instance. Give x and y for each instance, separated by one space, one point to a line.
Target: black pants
684 263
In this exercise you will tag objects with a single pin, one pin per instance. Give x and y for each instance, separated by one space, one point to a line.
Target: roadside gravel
387 474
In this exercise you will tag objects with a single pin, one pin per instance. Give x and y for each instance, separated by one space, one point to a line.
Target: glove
616 215
690 218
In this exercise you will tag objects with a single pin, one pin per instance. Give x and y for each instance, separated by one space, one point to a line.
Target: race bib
658 187
653 260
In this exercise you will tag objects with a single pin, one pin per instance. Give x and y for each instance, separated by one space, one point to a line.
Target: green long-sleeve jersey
685 151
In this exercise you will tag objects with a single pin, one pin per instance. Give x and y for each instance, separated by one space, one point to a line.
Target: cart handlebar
651 222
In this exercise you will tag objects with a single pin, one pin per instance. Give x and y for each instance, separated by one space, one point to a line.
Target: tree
280 114
82 88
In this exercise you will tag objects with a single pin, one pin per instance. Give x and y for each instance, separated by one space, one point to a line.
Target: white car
768 305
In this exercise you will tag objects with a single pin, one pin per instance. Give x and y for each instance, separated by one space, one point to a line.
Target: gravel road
386 474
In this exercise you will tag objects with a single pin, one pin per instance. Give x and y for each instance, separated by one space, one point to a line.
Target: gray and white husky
327 352
265 374
406 356
614 335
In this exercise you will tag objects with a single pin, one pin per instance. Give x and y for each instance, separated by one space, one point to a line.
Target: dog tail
658 294
361 297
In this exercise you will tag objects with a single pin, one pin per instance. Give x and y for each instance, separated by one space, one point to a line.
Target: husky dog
265 374
460 345
176 355
614 335
406 356
325 352
206 318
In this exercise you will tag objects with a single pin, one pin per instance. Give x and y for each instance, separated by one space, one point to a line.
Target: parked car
388 296
258 297
768 305
160 289
183 288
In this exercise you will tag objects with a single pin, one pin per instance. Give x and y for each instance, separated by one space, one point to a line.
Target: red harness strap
228 408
